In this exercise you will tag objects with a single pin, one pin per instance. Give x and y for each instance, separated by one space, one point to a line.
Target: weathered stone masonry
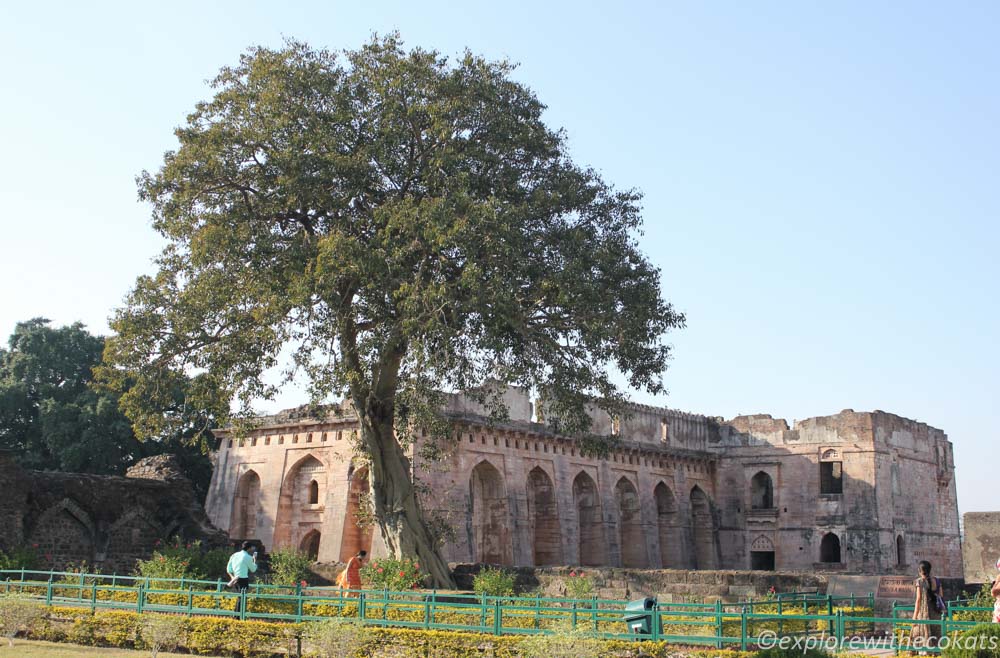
107 521
853 492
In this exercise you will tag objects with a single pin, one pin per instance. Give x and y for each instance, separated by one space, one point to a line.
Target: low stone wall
679 585
668 585
106 521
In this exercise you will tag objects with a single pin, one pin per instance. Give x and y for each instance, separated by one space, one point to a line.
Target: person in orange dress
350 577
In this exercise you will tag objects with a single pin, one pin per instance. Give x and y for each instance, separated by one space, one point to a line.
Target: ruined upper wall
106 521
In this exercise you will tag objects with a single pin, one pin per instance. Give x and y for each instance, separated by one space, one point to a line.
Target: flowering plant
579 585
392 574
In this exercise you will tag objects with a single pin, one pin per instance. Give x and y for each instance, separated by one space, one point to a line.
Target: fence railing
794 614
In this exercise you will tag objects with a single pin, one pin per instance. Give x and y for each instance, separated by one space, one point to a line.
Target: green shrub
982 599
337 638
18 614
791 653
981 641
494 582
176 559
579 585
162 632
565 642
20 557
289 567
396 575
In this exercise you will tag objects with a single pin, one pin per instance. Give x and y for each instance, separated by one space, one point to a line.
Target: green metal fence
791 615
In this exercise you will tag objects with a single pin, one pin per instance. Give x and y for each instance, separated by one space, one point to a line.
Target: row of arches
301 512
687 541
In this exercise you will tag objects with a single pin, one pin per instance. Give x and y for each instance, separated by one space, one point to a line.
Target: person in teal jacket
242 563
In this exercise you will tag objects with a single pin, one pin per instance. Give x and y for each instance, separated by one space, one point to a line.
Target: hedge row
255 639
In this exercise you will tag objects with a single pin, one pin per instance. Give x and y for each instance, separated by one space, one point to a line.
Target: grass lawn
32 649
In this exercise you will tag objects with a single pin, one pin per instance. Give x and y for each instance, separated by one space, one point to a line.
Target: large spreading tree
401 224
54 417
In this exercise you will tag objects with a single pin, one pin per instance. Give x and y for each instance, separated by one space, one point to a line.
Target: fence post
573 615
593 610
48 592
190 599
140 591
743 629
93 597
871 601
497 617
537 610
719 630
655 630
829 611
361 606
298 602
243 604
79 589
839 628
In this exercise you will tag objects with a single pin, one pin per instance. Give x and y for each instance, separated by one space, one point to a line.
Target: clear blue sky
820 178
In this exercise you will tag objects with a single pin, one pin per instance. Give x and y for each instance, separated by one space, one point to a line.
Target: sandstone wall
681 490
107 521
981 548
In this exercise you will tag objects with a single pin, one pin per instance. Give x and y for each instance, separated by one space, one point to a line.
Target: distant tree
401 224
55 419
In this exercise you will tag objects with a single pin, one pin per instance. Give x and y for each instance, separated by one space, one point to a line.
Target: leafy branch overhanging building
858 492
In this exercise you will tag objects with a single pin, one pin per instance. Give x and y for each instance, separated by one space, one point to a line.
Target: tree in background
53 416
402 224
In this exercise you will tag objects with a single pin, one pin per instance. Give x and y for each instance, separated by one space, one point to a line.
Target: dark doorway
762 560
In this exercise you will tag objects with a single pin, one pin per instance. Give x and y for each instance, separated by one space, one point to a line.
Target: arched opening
900 551
310 544
829 549
357 535
296 515
590 521
246 503
702 530
633 543
547 540
314 493
671 553
490 520
761 491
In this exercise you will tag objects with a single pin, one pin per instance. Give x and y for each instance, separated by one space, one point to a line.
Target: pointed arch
829 549
761 491
671 548
246 504
294 519
702 530
490 517
633 543
66 532
546 537
590 521
357 536
310 544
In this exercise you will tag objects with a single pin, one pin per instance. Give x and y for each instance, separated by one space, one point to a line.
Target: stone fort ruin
855 492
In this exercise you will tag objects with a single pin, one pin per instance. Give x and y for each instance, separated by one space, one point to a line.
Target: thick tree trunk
397 510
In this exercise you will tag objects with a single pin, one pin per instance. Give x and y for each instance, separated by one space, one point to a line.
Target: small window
314 493
664 431
616 425
831 477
